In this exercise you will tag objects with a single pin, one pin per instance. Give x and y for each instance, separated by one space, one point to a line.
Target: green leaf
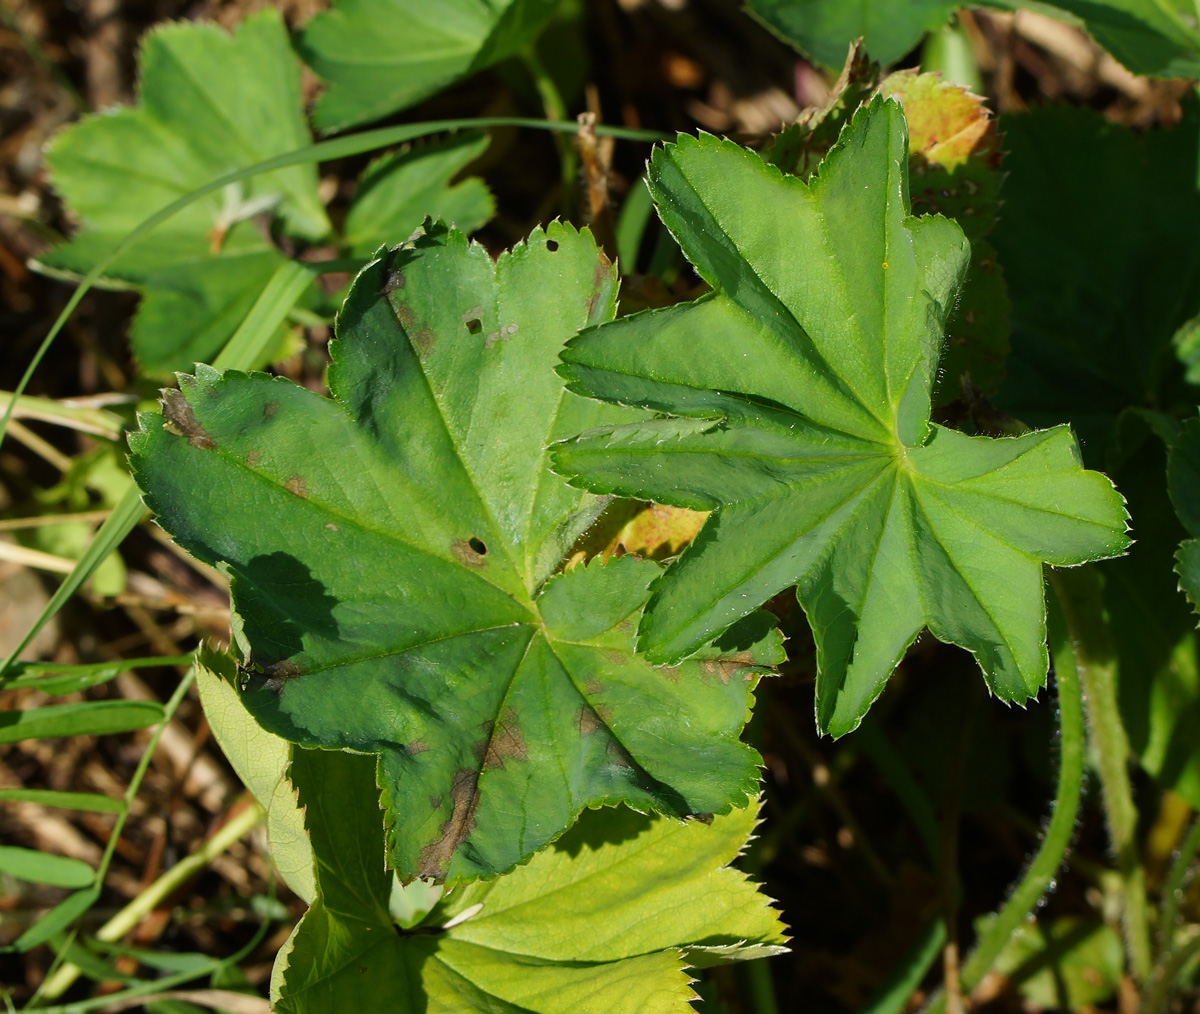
44 867
91 801
209 103
381 56
580 927
90 718
1102 273
260 760
57 919
393 554
398 191
798 397
823 29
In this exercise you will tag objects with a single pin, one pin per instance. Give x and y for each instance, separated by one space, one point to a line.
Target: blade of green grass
57 919
111 534
89 718
90 801
66 679
44 867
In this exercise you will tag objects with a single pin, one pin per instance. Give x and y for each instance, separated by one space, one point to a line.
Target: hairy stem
1078 592
1041 871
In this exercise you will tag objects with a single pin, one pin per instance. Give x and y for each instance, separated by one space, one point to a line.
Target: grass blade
44 867
89 801
95 718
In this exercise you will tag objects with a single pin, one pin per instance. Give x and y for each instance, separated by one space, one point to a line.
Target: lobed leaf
822 29
393 555
1102 273
797 396
398 191
381 56
208 103
579 928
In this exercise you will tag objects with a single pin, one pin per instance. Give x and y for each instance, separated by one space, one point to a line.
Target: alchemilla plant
512 582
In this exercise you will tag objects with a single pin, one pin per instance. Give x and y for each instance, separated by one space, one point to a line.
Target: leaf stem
1040 874
1078 592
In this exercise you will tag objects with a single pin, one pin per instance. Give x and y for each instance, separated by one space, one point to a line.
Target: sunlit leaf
394 554
797 397
582 927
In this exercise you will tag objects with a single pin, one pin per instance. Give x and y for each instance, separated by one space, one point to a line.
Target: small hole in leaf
551 245
474 325
477 545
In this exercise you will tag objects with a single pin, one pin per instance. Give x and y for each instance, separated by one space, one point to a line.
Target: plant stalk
1057 838
1078 592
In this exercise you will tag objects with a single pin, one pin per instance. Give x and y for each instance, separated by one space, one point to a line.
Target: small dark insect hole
474 325
552 245
477 545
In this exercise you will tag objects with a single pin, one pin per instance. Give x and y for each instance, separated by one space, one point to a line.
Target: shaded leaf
1102 273
381 56
823 29
798 395
398 191
209 103
579 928
393 554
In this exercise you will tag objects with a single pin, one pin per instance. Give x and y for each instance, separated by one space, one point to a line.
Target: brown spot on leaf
592 687
394 280
270 409
615 657
726 666
435 802
618 753
502 335
703 818
415 747
252 458
181 420
599 284
671 672
587 720
274 676
297 486
505 741
423 340
466 551
434 860
604 711
405 315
